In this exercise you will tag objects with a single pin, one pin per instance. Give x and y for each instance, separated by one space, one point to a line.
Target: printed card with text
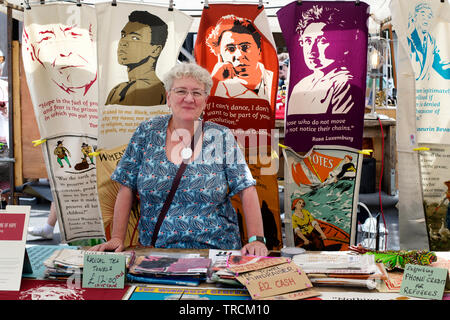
275 280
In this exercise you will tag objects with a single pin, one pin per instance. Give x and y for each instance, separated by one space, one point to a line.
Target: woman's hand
255 248
115 244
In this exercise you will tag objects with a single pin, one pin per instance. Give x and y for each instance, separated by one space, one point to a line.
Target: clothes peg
38 142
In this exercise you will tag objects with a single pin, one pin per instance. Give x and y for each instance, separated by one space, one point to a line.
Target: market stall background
379 10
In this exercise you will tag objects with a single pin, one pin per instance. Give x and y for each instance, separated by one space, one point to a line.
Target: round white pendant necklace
186 153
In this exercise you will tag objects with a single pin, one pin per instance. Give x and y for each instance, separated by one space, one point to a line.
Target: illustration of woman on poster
307 231
327 88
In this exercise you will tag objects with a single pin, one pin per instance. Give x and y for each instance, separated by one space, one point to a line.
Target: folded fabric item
181 281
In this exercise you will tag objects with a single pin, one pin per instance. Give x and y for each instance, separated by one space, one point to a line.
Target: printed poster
435 170
423 71
235 44
321 197
422 28
327 45
60 62
137 45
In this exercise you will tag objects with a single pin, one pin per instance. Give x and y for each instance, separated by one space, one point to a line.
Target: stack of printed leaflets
218 271
170 268
65 262
334 268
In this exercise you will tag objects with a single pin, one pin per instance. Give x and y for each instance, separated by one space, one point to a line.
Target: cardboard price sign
275 280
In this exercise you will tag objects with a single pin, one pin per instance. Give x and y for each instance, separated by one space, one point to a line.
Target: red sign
11 226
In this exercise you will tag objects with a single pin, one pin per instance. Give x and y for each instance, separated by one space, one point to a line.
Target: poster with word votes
235 45
327 45
422 28
137 45
321 197
60 62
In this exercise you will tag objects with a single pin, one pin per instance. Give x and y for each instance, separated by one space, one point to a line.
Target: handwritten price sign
104 271
275 280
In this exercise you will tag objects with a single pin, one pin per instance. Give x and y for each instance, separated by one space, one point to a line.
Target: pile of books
169 268
341 269
65 263
218 272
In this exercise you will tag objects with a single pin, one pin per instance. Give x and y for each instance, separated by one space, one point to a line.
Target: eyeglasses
182 92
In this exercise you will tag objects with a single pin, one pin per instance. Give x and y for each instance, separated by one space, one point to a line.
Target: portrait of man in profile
141 43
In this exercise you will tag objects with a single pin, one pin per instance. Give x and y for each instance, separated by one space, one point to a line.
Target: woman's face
187 99
315 44
299 205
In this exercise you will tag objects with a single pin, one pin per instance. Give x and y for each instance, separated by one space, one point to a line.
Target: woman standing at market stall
200 214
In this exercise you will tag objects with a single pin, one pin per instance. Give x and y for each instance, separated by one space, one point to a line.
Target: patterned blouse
201 214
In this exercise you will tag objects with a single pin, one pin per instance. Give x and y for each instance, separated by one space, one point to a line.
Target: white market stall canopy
379 9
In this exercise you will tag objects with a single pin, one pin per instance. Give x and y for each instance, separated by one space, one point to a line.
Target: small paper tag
104 271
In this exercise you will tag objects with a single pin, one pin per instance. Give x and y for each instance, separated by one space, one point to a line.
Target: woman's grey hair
188 69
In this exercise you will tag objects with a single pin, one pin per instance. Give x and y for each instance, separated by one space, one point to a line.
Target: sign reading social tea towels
327 44
235 44
60 62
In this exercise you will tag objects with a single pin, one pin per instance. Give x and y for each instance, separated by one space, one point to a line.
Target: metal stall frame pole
11 159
